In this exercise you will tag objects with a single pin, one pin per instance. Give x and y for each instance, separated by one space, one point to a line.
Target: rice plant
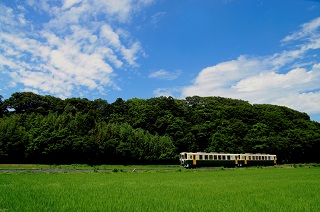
270 189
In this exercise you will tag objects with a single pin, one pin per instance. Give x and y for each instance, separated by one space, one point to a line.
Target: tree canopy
47 129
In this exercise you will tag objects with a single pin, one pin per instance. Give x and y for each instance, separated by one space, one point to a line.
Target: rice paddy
254 189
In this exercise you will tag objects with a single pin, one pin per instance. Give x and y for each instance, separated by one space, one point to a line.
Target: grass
86 167
250 189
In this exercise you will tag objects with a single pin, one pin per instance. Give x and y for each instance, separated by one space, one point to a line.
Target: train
212 159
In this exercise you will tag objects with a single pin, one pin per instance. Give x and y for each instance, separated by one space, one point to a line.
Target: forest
49 130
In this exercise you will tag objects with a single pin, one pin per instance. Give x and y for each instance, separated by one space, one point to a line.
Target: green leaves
46 129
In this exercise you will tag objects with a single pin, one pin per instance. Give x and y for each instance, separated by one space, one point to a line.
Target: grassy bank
125 168
270 189
85 168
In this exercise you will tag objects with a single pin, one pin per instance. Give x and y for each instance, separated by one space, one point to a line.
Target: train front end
184 161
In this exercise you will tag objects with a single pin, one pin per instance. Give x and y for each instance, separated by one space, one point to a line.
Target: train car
203 159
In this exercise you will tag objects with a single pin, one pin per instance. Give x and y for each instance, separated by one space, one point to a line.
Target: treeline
46 129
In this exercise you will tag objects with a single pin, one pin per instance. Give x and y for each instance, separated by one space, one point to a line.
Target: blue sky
261 51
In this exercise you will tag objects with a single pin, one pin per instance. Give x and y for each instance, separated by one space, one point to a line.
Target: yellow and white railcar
203 159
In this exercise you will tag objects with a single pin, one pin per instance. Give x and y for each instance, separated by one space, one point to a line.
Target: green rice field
245 189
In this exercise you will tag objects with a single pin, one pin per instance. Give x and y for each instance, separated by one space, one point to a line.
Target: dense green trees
46 129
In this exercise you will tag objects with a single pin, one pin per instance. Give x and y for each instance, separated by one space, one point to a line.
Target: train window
185 156
269 158
223 157
219 157
200 157
259 157
228 157
210 157
206 157
262 157
215 157
190 156
249 157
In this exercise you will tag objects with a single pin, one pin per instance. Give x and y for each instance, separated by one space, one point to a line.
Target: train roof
223 153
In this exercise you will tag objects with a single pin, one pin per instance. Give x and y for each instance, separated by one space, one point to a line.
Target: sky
260 51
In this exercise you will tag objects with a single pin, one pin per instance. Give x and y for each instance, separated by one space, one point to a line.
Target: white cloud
69 3
111 37
167 91
165 75
269 79
308 102
157 17
129 54
221 77
77 45
307 30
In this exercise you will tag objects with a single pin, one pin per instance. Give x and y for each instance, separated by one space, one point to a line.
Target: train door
239 160
194 160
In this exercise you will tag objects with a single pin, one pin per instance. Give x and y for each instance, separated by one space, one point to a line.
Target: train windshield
183 156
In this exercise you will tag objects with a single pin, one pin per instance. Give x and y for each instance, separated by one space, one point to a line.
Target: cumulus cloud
78 44
277 79
293 79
